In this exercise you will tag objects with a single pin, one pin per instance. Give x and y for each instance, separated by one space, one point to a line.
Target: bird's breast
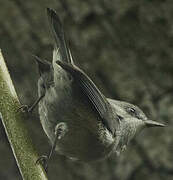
87 139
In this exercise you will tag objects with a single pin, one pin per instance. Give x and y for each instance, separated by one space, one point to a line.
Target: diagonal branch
16 130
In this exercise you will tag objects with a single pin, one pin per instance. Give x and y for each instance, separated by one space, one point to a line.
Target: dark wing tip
39 60
50 12
53 17
43 65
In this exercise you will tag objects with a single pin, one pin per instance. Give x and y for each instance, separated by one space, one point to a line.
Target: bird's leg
60 131
26 108
117 145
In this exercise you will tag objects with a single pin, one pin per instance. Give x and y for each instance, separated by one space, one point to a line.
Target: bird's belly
83 139
81 144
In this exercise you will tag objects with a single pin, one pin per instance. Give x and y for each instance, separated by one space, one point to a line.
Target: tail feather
58 33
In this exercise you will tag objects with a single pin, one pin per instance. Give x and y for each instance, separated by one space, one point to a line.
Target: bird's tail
61 51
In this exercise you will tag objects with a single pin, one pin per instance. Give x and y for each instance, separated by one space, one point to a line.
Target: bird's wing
62 56
96 98
61 50
43 66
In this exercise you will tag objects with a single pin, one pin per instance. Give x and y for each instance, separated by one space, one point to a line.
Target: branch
16 130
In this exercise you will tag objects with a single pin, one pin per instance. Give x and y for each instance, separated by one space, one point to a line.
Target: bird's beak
150 123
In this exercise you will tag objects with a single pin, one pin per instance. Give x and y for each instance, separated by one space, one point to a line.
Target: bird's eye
132 110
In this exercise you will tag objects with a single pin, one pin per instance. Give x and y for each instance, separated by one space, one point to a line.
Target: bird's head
132 121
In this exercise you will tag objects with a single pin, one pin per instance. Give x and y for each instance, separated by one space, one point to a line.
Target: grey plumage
93 125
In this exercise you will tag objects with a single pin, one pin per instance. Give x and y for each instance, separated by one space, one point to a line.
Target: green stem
16 130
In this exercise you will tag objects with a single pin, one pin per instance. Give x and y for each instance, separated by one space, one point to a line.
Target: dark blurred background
126 47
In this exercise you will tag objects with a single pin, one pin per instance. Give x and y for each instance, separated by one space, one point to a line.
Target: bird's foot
43 160
60 131
24 109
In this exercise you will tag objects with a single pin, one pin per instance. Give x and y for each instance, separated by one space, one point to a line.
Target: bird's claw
24 109
43 160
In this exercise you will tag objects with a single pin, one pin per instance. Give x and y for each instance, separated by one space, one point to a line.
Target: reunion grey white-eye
80 122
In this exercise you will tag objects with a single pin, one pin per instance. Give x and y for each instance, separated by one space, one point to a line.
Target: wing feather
96 98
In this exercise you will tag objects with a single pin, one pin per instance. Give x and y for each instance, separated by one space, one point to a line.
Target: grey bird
80 122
